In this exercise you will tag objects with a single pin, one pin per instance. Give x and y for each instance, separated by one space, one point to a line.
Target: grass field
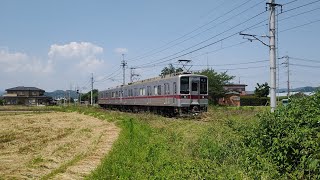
44 145
153 147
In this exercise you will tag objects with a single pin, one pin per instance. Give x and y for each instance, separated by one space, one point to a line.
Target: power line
302 59
110 75
302 65
290 2
310 3
232 64
312 22
305 12
206 41
196 29
202 31
241 68
209 52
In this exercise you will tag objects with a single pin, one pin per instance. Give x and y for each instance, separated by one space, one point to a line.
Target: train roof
168 76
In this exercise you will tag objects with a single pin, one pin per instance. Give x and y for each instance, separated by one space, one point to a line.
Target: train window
129 92
194 86
203 86
135 91
159 90
184 85
142 91
175 88
155 90
166 88
113 94
148 90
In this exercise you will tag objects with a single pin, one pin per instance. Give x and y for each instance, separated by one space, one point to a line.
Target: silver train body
173 95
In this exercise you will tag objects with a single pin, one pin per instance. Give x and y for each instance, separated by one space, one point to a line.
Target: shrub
290 138
253 101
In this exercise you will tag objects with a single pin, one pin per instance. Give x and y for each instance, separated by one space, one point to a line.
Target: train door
148 94
167 93
174 92
195 92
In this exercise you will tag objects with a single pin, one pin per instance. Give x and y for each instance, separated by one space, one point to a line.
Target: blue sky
58 44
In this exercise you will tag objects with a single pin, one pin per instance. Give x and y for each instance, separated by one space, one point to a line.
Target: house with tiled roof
233 94
25 96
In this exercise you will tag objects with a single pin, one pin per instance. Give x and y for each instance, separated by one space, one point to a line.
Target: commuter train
174 95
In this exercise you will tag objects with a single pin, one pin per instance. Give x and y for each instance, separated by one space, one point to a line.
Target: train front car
193 94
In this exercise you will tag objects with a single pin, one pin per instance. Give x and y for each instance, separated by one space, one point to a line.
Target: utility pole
132 74
272 51
123 65
91 88
288 73
288 76
272 45
69 99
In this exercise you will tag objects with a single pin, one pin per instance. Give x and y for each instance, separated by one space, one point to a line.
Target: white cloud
90 63
20 62
84 52
121 50
74 50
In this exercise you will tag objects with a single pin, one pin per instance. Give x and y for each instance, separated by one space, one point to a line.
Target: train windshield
203 85
184 85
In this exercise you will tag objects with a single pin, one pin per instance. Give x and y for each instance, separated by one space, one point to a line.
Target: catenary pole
91 89
123 64
288 71
272 44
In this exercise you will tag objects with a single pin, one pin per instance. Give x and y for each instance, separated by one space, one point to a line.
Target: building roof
232 92
235 85
22 88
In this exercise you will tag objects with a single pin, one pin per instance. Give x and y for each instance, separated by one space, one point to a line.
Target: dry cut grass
52 145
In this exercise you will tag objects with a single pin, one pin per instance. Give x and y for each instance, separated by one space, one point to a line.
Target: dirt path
52 145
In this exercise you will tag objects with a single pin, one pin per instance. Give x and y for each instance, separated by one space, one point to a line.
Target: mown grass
155 147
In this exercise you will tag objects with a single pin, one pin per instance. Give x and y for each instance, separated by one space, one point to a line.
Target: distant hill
301 89
61 93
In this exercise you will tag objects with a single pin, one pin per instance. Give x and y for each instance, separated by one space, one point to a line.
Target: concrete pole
91 89
272 29
123 64
288 82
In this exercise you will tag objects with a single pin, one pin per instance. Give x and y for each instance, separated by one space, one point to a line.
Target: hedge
253 101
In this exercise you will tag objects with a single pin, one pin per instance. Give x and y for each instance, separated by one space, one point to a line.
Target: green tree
170 70
298 95
216 82
262 90
87 96
1 102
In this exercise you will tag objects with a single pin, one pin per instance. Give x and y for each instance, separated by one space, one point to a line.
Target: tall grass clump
290 138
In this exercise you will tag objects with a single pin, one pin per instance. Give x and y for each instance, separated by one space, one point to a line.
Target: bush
290 138
253 101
